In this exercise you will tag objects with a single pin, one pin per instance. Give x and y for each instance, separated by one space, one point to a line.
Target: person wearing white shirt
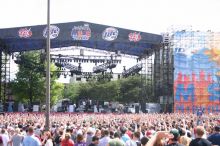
5 137
135 141
105 140
31 139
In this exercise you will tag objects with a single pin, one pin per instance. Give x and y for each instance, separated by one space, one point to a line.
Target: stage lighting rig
104 67
85 58
18 60
73 69
64 62
100 68
131 71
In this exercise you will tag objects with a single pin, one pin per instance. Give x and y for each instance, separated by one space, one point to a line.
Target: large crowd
67 129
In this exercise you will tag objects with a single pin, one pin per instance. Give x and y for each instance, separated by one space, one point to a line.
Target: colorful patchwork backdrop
197 71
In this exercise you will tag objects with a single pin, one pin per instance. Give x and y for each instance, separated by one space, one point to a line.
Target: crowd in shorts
175 129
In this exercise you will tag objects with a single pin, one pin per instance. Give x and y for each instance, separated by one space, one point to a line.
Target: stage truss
153 52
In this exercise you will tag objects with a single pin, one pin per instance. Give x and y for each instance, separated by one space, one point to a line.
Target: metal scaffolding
4 76
167 73
196 71
149 77
158 73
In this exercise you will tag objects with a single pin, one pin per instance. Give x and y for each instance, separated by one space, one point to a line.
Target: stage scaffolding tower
143 91
157 73
4 75
149 77
146 75
167 73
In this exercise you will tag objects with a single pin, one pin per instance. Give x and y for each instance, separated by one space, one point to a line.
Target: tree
29 85
96 90
71 91
124 90
56 92
56 89
130 89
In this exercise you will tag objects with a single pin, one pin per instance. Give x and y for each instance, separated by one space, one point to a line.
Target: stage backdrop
196 71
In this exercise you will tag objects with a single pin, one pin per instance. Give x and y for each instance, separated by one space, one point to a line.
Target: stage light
58 75
100 68
111 66
124 68
79 67
71 73
61 61
12 56
59 65
18 60
131 71
52 60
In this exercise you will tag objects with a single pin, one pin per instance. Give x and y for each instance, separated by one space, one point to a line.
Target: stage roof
80 33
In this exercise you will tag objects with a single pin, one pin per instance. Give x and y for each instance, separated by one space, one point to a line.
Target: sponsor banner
54 32
110 34
24 32
134 37
81 32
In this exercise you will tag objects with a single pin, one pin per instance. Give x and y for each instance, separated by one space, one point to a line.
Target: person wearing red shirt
67 141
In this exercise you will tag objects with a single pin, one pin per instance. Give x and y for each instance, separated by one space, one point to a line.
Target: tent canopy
80 33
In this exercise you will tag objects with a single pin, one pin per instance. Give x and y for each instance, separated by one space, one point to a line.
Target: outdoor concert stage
183 72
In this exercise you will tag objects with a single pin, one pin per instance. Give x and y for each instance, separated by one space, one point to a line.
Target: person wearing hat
174 141
215 137
199 140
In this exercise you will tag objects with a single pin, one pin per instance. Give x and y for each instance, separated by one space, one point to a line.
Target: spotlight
58 75
18 60
131 71
71 73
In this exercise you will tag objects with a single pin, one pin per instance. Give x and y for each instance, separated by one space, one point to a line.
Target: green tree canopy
130 89
124 90
29 85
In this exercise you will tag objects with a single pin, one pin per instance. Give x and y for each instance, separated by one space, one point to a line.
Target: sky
153 16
